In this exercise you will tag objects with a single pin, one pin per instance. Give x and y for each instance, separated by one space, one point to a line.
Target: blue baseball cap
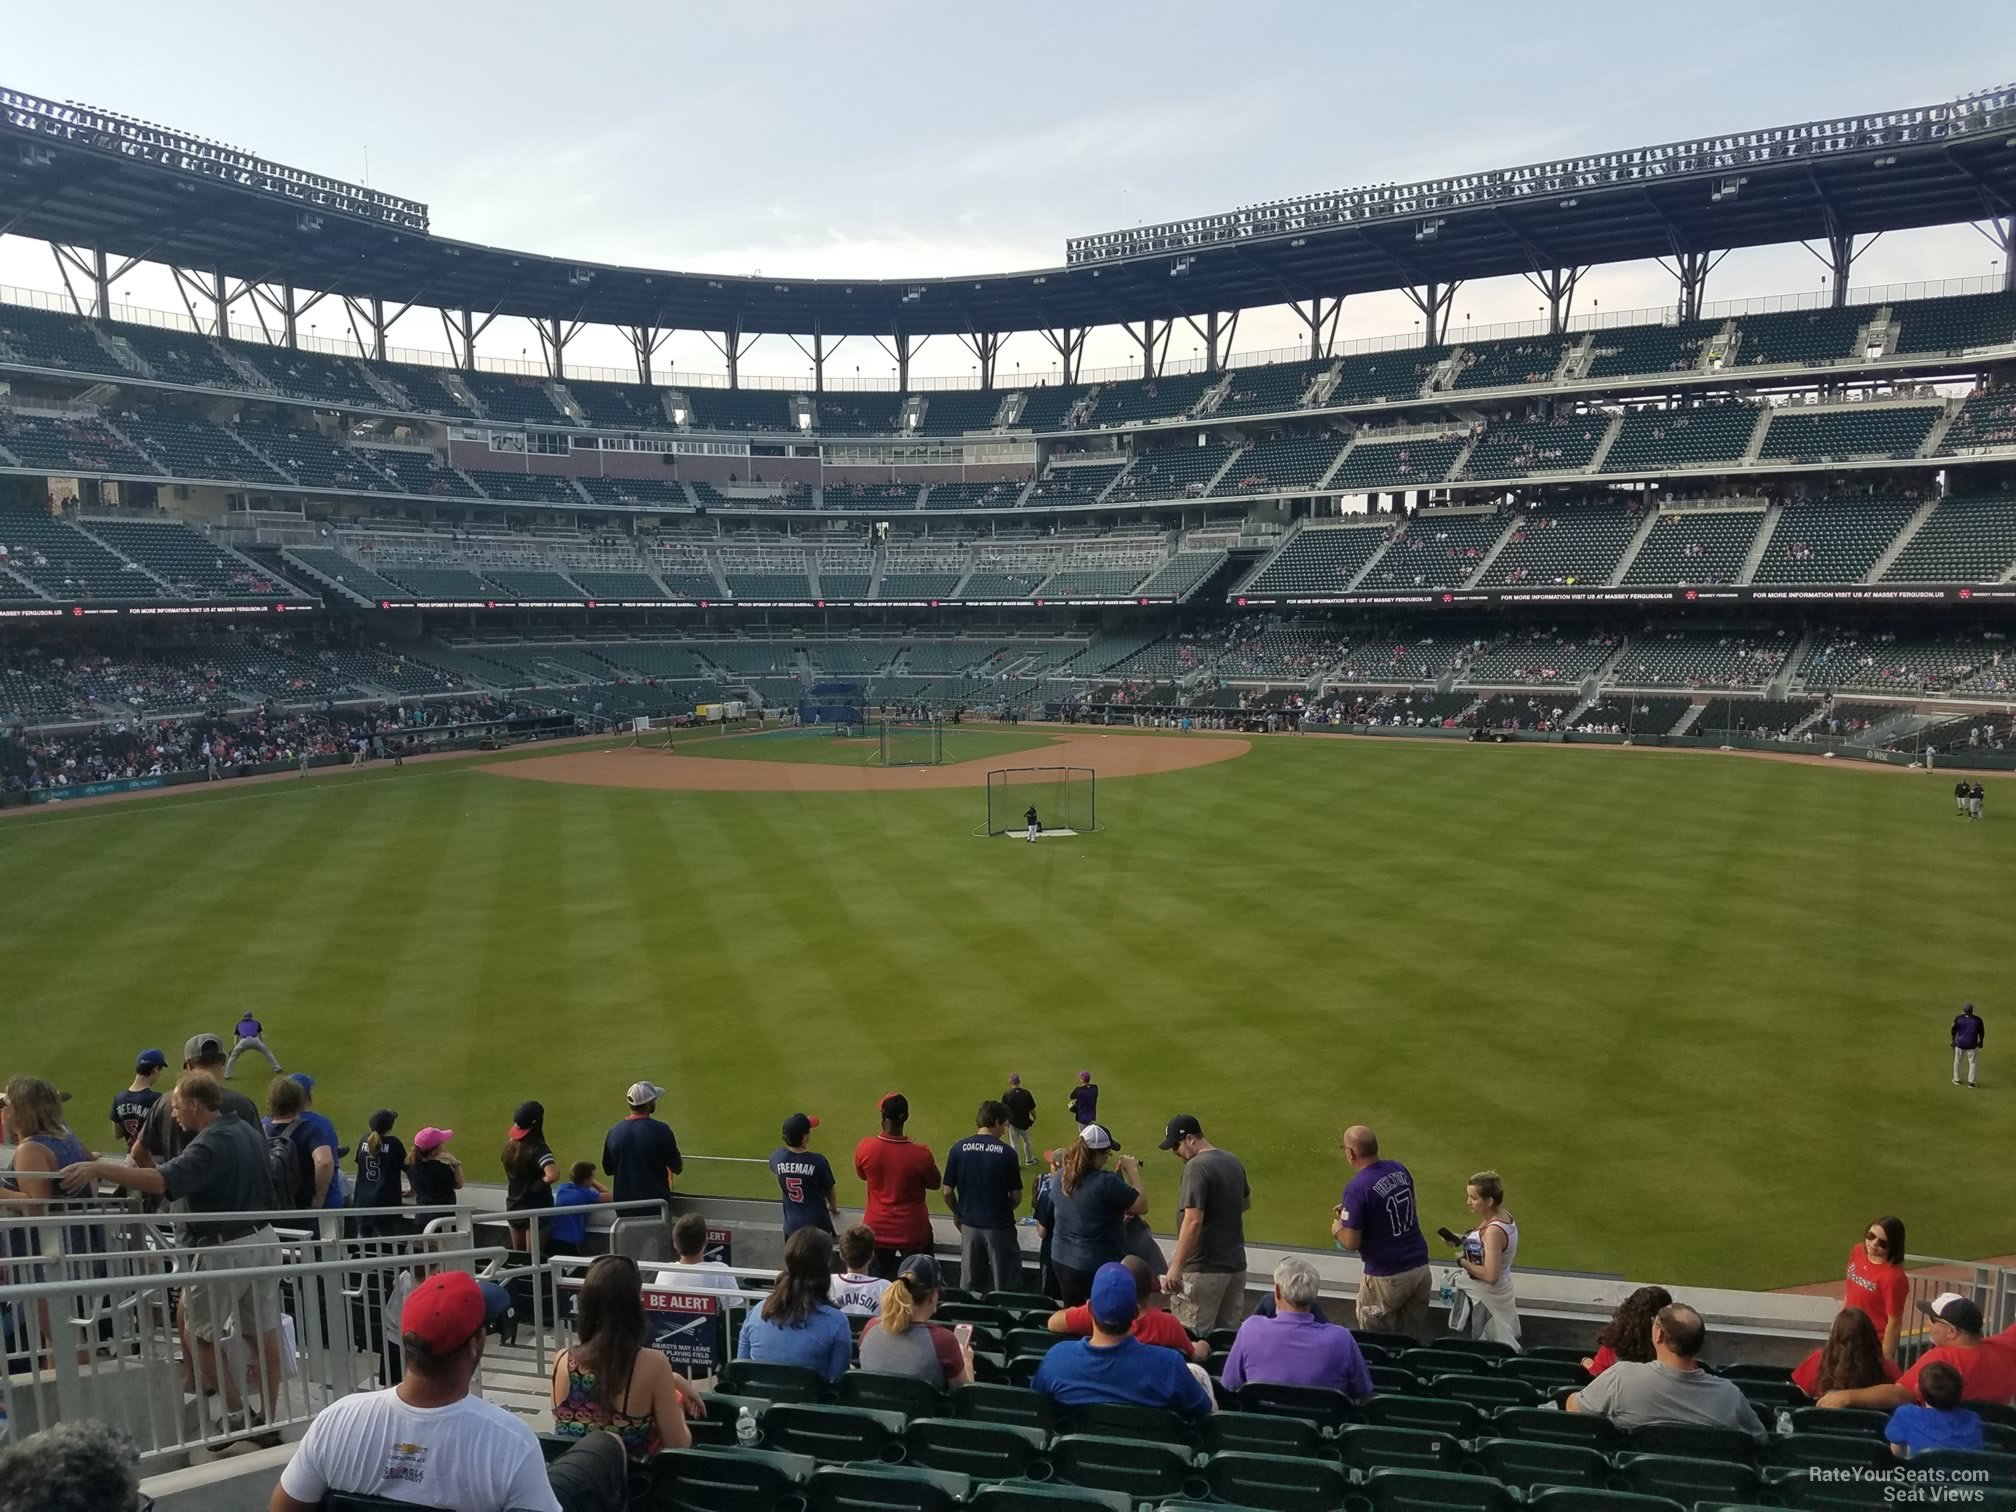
1114 1298
150 1060
303 1080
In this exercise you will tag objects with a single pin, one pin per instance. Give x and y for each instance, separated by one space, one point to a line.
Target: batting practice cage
1065 800
839 704
913 742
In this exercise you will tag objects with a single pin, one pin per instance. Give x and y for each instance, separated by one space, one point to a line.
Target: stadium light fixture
1428 230
308 222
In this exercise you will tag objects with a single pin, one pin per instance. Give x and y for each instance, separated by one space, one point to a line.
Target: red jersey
1882 1291
1152 1326
1807 1376
898 1172
1603 1359
1987 1373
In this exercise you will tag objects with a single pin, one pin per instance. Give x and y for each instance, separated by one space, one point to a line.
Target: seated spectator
1987 1371
1939 1422
427 1438
1628 1334
904 1341
854 1291
1293 1347
72 1467
569 1231
693 1270
798 1323
1672 1387
1153 1323
1113 1365
610 1379
1851 1358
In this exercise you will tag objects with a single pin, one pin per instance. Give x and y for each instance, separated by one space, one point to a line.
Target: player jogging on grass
1035 824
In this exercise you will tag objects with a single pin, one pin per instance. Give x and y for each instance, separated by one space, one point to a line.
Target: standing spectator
983 1187
898 1172
71 1467
1207 1269
1877 1284
855 1291
1085 1100
693 1271
430 1438
1987 1372
1021 1105
1113 1365
902 1339
306 1176
251 1035
568 1232
1969 1036
1153 1324
1673 1388
381 1172
1486 1305
610 1380
1091 1207
436 1175
1377 1220
161 1137
530 1169
1294 1347
1628 1334
222 1169
1939 1423
1851 1358
804 1178
798 1323
321 1134
640 1155
130 1108
31 1119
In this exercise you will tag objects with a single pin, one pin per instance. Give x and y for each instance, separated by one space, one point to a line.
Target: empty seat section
428 389
1419 463
857 414
752 582
915 585
1654 440
1831 540
631 492
312 459
683 571
192 566
523 487
66 564
44 338
70 444
1984 421
620 406
1954 323
305 375
437 582
190 447
1282 465
1436 549
1319 560
1376 376
1966 540
1696 547
1047 408
953 412
999 495
870 496
1512 449
1650 349
739 409
338 568
1183 472
1800 336
1564 546
1091 582
1165 398
616 585
1537 658
1839 435
418 472
520 401
992 583
1183 574
526 583
1769 719
1268 389
1508 364
1080 484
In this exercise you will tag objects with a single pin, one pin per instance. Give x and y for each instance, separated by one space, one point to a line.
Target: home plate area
1048 834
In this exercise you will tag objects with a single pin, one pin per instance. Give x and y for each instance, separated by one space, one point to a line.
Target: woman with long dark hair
1851 1358
1877 1284
610 1379
1628 1334
798 1323
1090 1209
529 1169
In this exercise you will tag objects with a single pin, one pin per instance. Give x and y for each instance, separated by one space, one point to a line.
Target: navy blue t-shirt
987 1176
803 1179
129 1111
640 1157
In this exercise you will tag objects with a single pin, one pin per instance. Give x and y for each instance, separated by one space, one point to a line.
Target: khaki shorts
1396 1304
216 1300
1210 1299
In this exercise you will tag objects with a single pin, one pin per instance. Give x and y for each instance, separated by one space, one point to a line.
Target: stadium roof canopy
79 177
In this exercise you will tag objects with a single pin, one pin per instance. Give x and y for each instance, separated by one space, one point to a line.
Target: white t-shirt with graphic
469 1455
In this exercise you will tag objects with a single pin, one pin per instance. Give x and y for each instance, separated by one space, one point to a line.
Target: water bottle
745 1429
1449 1290
1784 1422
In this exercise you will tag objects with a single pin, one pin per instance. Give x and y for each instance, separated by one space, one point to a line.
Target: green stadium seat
1395 1344
1688 1438
1036 1341
727 1406
1022 1369
1582 1499
1490 1349
1776 1374
1020 1301
1138 1467
1277 1482
1123 1420
1435 1491
1546 1374
889 1393
1258 1433
1862 1421
986 1451
1015 1405
1689 1478
981 1314
1046 1496
1993 1412
990 1368
1772 1397
736 1480
1316 1404
2000 1468
772 1383
1364 1447
1568 1352
1436 1414
1487 1392
1526 1463
1222 1339
885 1488
1552 1426
1394 1380
1427 1363
832 1434
1804 1451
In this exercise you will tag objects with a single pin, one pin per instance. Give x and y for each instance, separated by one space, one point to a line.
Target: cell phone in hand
1449 1238
963 1332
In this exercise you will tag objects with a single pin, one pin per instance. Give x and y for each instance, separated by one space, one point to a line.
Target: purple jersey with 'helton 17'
1379 1203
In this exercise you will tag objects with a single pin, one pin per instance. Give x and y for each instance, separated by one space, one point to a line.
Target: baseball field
1693 1007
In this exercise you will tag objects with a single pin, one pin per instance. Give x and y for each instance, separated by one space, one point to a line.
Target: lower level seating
1675 658
1630 714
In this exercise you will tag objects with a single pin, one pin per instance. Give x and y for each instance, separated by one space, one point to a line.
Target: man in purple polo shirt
1377 1220
1294 1347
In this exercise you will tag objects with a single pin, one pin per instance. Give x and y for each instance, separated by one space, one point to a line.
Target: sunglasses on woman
1878 1240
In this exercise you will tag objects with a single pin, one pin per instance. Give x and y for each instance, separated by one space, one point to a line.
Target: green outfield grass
1693 1007
962 743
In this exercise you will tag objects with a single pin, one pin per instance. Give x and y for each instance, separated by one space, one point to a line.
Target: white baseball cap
1096 1138
643 1092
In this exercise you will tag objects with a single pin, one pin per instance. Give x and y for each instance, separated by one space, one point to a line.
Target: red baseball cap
450 1309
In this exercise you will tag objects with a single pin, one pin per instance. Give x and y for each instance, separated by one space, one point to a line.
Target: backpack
292 1166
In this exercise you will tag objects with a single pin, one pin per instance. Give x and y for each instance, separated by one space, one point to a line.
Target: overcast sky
898 139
